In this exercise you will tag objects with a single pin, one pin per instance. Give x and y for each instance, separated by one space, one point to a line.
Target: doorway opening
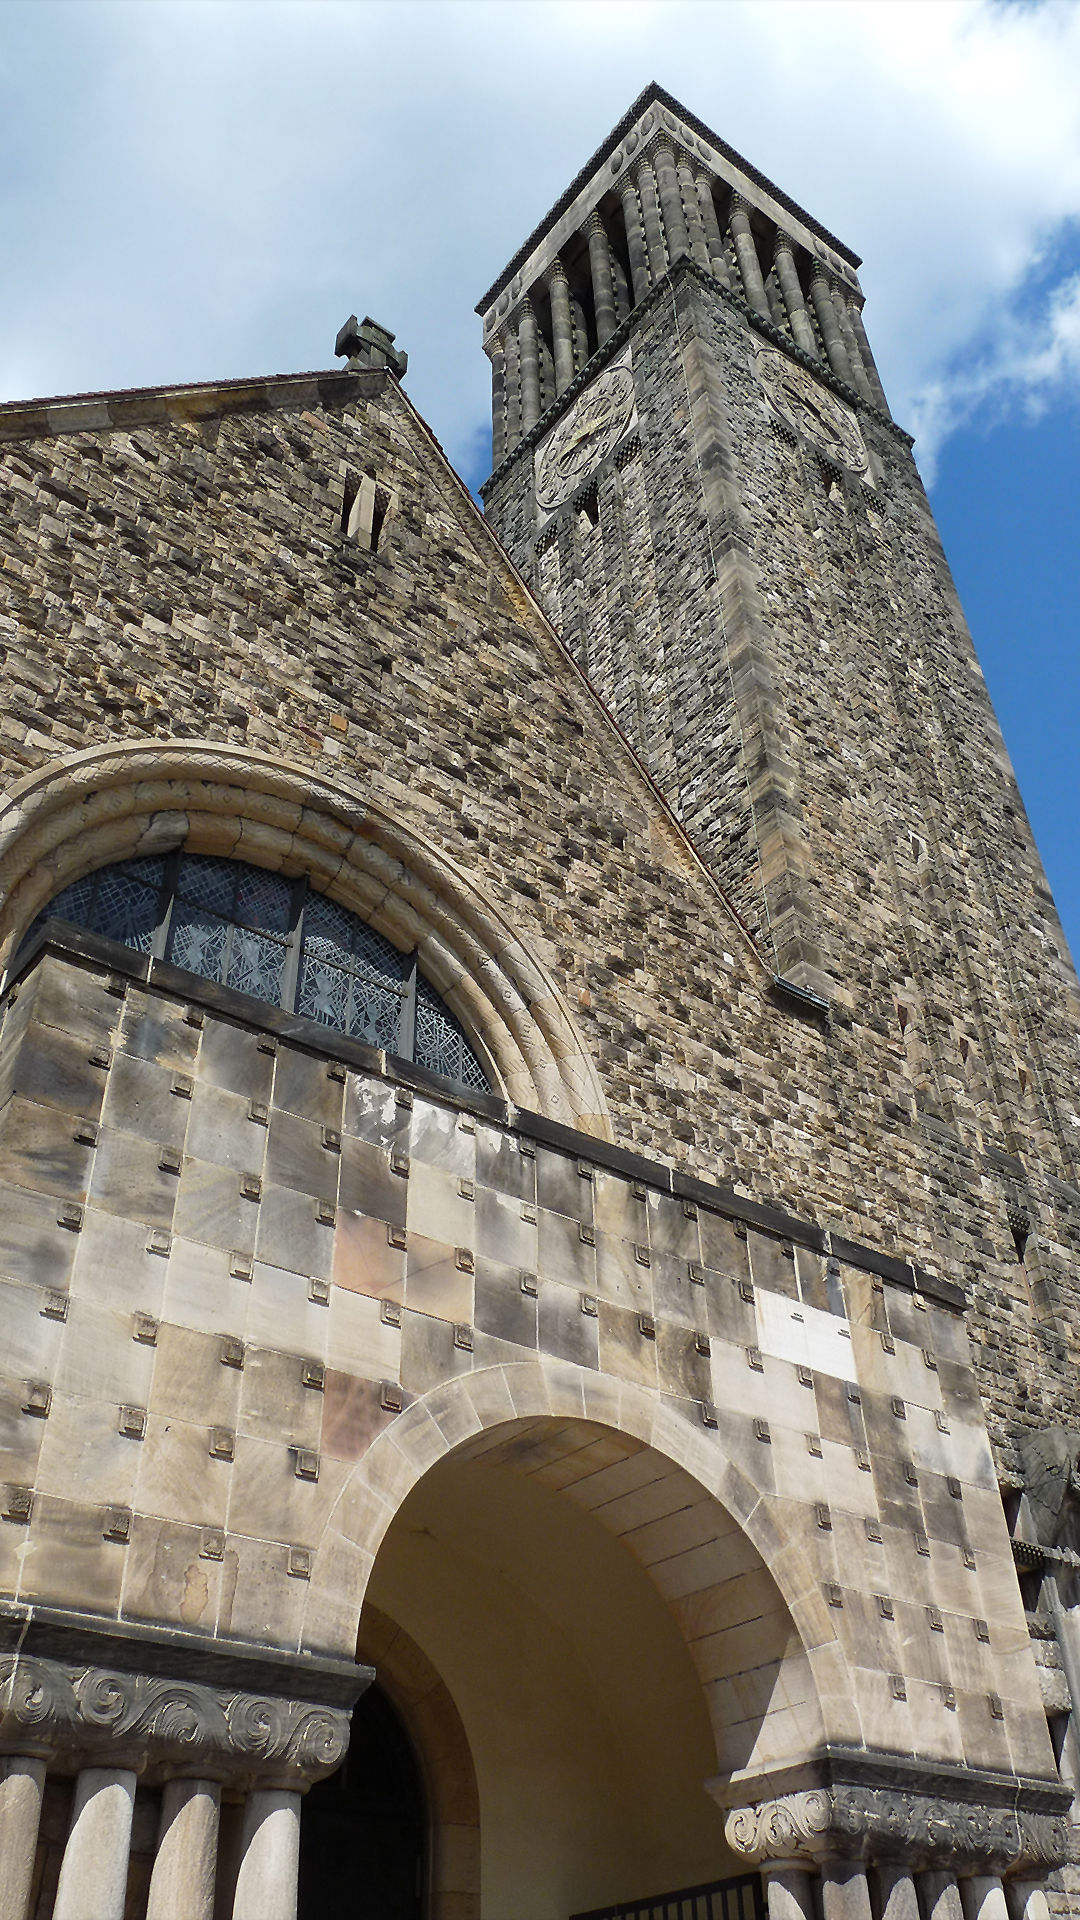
363 1831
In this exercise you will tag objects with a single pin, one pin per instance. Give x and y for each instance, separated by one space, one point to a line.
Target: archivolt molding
110 803
454 1417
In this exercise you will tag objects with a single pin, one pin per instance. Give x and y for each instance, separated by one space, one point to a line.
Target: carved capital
74 1714
870 1823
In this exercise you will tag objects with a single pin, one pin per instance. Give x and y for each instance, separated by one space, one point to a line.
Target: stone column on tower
787 274
692 212
603 285
711 225
866 354
529 351
650 216
822 298
671 206
497 353
747 255
562 325
636 244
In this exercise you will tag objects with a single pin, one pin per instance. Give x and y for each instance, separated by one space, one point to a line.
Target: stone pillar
529 356
562 326
1026 1900
603 285
651 221
788 1890
746 253
21 1789
940 1896
270 1856
714 239
513 389
787 274
692 212
867 356
582 350
547 372
94 1871
498 400
982 1897
667 184
821 295
859 376
182 1883
897 1898
636 244
844 1892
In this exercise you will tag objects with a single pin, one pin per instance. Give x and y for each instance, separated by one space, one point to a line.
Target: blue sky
193 189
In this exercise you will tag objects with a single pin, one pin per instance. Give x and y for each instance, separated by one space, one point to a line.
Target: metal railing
739 1899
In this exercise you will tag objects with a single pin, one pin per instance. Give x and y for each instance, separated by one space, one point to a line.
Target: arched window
280 941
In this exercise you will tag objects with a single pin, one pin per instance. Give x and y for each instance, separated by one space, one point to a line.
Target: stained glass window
278 940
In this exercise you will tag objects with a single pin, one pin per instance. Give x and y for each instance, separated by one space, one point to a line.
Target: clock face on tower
588 433
812 410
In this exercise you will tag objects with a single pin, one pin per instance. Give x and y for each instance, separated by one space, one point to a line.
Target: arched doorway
363 1831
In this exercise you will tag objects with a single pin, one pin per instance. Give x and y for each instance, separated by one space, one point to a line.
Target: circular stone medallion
587 435
812 410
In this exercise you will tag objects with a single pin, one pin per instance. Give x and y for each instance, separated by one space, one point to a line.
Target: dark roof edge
654 92
132 405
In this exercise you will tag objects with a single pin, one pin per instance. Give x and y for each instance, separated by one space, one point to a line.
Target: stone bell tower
674 340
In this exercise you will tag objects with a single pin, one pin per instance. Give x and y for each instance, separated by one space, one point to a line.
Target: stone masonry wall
175 567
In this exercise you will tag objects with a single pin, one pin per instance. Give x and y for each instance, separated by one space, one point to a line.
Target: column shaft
651 221
821 295
859 376
513 390
581 333
635 238
562 327
20 1816
498 400
747 256
844 1892
788 1891
692 214
867 356
94 1871
982 1897
182 1883
787 274
940 1896
667 182
528 350
711 225
1026 1900
270 1858
897 1898
603 285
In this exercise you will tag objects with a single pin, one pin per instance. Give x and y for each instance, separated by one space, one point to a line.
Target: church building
539 1134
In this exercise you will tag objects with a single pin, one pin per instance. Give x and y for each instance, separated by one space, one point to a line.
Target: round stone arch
572 1428
110 803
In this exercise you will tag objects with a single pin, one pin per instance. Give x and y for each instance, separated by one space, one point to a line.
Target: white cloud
201 189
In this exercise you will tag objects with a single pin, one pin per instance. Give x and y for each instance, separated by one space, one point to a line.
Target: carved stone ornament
875 1823
812 410
144 1721
586 436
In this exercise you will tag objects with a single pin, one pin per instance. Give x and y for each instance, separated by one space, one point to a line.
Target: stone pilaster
713 237
562 326
651 220
699 246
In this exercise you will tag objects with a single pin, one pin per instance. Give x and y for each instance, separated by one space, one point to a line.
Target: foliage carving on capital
867 1823
786 1829
59 1709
